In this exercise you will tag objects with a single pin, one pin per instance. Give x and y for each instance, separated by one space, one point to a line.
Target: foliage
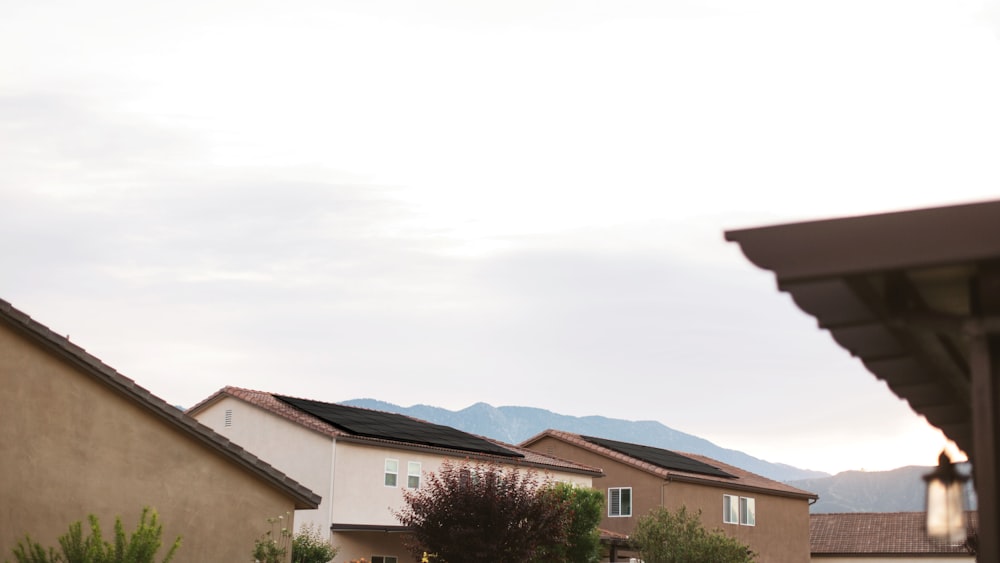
470 513
666 537
308 546
140 547
583 540
272 545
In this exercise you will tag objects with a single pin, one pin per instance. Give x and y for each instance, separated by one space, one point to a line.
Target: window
620 501
413 475
391 472
748 516
739 510
384 559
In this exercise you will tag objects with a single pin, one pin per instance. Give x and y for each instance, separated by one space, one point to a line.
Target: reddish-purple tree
471 513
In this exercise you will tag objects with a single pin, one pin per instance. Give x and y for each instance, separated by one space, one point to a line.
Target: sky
513 202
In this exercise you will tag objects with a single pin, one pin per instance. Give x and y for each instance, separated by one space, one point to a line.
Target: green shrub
272 545
140 547
308 546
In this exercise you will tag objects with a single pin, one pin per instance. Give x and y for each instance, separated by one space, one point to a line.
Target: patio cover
915 295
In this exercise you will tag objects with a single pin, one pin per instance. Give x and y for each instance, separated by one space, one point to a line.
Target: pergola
915 295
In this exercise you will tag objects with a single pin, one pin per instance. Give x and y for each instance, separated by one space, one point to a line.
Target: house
914 295
771 517
361 461
879 537
79 438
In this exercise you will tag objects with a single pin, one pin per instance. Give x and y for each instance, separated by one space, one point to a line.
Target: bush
308 546
140 547
665 537
272 545
470 513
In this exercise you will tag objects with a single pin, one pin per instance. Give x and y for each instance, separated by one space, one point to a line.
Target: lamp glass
945 503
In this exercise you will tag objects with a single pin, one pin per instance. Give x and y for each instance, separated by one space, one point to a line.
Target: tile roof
88 364
876 533
737 479
271 403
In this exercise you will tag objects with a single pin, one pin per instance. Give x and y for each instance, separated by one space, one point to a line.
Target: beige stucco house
880 537
770 517
360 460
78 438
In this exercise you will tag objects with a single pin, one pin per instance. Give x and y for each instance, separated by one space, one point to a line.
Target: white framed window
620 501
384 559
739 510
391 472
413 475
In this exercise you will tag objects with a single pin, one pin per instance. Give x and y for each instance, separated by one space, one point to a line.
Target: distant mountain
516 424
899 490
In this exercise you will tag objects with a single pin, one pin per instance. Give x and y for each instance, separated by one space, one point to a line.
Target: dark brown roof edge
337 527
78 357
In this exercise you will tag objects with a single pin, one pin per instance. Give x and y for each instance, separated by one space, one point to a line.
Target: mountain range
899 490
516 424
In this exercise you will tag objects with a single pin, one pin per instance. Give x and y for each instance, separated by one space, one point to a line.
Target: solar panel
391 426
660 457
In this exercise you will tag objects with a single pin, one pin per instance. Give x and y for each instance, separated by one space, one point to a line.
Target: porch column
985 374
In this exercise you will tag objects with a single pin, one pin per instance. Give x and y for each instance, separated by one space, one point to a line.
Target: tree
471 513
583 540
666 537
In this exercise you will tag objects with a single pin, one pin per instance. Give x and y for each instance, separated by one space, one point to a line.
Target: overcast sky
519 202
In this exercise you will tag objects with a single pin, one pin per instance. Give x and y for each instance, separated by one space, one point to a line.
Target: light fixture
946 502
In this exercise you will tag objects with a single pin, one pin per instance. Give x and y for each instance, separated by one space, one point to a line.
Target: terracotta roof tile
876 533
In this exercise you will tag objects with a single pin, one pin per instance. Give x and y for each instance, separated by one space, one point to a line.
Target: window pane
391 469
626 502
747 511
730 514
413 474
614 502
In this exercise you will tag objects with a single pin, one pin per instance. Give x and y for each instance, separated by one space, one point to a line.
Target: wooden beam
985 374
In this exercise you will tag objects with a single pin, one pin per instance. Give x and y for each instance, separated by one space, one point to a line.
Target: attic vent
229 417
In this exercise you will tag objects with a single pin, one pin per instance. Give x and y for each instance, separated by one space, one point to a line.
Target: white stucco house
359 460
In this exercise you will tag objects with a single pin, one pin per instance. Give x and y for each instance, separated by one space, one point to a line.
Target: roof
329 425
898 291
725 475
393 426
89 365
877 533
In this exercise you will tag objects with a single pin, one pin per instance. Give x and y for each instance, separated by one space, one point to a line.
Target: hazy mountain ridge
898 490
513 425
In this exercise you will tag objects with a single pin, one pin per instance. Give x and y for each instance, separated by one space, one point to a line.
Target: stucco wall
300 453
69 446
781 534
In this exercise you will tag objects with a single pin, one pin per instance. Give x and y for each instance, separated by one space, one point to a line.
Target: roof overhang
903 292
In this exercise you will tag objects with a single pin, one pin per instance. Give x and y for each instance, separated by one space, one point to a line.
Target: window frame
739 511
394 473
611 504
412 474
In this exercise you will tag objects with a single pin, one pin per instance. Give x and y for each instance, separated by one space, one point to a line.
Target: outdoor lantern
946 502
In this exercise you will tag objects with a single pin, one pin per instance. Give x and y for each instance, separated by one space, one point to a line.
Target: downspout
333 474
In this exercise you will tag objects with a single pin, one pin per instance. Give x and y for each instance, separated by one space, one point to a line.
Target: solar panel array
392 426
660 457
